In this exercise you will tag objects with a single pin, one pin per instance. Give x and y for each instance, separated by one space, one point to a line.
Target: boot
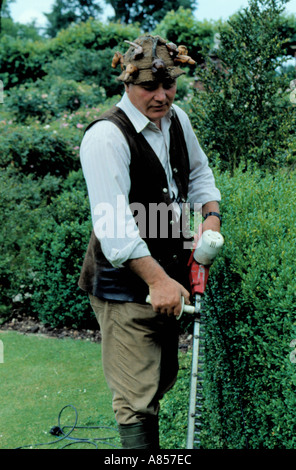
143 435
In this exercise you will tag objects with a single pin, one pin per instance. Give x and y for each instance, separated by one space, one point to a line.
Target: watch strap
216 214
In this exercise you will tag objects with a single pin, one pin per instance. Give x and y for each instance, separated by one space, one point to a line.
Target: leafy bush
250 381
184 90
23 205
29 100
39 150
92 67
69 95
45 230
85 50
19 30
60 246
181 27
36 165
92 34
21 61
50 97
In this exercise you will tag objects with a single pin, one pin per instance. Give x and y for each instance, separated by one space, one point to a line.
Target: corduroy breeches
139 357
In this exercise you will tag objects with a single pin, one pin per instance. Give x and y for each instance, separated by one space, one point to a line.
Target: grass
39 377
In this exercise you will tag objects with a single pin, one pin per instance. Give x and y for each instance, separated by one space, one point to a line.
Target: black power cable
59 432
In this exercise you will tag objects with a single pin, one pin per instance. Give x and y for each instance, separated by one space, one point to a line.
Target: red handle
199 274
198 277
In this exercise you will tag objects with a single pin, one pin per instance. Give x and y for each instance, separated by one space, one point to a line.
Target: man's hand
165 292
166 296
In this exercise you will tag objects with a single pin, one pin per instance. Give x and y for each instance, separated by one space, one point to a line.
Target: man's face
153 99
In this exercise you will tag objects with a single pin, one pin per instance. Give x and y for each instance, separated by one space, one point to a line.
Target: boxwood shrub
250 308
60 246
23 205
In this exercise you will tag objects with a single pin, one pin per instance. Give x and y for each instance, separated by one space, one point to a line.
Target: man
140 155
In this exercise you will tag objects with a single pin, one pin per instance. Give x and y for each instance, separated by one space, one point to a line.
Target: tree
287 30
146 12
8 27
244 115
4 10
66 12
1 4
182 27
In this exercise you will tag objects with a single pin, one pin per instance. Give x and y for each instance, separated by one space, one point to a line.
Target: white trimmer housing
208 247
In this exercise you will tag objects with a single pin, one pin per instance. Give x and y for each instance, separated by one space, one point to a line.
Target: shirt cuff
135 249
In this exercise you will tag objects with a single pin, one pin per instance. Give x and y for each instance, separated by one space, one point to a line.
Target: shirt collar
139 121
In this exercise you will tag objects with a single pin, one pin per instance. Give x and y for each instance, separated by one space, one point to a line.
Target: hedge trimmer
204 252
202 256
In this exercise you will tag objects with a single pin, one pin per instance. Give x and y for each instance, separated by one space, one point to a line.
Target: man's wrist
215 214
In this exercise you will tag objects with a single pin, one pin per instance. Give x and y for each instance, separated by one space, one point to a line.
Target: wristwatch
216 214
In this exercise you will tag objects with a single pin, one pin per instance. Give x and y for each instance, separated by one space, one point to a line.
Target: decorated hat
151 58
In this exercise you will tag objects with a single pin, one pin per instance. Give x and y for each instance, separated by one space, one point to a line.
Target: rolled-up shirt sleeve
105 164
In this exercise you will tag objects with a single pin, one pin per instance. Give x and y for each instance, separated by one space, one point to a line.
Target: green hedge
60 245
80 52
56 298
43 193
51 97
23 203
37 150
21 60
45 231
250 380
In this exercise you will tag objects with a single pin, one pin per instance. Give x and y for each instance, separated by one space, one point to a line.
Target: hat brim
147 75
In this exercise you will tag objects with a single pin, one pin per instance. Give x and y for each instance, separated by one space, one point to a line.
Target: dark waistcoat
149 185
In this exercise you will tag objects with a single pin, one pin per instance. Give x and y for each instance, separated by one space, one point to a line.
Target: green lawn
40 376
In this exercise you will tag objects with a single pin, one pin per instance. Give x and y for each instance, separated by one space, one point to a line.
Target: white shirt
105 159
